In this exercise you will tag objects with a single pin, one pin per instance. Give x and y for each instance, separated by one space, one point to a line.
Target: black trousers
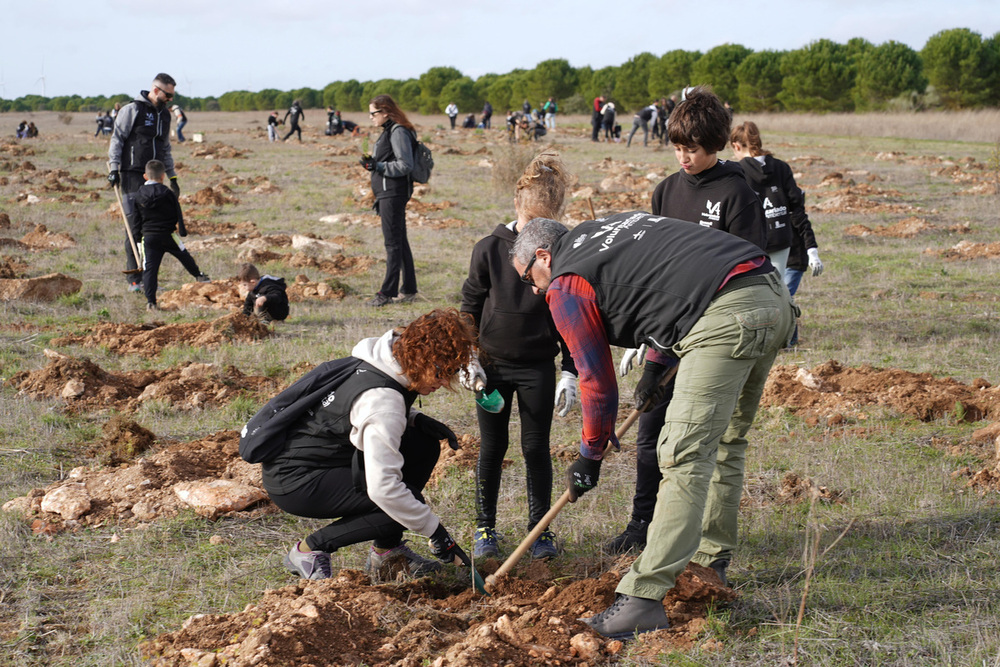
398 256
535 387
452 119
294 129
595 122
332 493
155 246
131 181
647 468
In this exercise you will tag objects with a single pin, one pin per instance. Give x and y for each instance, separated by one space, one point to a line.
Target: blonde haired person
520 342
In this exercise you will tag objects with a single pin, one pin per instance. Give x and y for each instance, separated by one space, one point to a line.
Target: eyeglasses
372 113
526 276
169 96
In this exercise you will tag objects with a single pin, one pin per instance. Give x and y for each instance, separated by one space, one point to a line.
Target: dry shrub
65 118
509 162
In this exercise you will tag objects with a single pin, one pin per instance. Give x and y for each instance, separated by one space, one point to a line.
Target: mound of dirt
863 198
243 240
43 288
86 386
904 229
12 267
831 391
604 204
148 340
337 265
206 475
216 150
40 238
966 250
218 294
304 289
348 621
209 197
205 228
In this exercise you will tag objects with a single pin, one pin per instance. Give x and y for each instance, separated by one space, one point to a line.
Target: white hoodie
378 419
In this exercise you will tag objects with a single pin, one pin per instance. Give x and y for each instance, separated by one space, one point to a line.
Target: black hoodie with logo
718 197
783 201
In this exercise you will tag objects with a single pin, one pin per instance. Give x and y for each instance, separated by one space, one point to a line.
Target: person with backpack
549 109
391 165
355 448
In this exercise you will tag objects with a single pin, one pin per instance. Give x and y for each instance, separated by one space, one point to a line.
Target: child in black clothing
155 215
265 296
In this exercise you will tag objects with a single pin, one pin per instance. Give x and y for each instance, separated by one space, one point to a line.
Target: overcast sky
105 47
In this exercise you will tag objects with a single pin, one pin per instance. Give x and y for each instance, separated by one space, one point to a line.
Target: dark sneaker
308 564
485 544
629 616
545 546
405 298
152 306
384 564
202 278
720 566
632 538
378 300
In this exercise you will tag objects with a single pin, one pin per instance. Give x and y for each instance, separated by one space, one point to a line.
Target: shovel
542 525
492 402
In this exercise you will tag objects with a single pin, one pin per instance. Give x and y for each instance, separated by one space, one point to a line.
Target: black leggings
331 493
398 256
155 246
536 389
293 130
647 468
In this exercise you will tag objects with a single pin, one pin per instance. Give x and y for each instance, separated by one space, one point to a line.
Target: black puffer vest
386 186
149 135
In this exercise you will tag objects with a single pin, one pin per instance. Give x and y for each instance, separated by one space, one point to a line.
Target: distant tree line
956 69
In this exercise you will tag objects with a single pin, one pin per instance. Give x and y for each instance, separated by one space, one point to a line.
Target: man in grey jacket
141 134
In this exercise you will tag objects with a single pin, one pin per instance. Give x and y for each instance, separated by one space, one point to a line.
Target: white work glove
814 263
566 389
632 356
472 372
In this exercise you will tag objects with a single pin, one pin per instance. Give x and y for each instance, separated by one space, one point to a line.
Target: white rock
316 246
587 647
808 380
144 511
218 495
197 371
73 388
70 501
22 504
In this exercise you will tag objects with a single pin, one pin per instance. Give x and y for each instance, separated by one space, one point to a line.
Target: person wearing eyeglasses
141 134
391 164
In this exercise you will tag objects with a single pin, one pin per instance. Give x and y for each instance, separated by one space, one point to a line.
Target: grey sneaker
152 306
308 564
202 278
720 565
385 564
629 616
378 300
633 537
545 546
485 543
405 298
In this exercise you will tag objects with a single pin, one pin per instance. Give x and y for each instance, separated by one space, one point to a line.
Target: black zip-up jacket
654 277
515 326
394 148
277 297
718 197
784 202
296 112
141 134
155 210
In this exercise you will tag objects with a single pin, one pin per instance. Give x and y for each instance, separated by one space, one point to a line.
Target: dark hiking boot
378 300
202 278
383 564
720 566
629 616
632 538
545 546
308 564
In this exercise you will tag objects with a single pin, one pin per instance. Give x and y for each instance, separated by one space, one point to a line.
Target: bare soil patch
832 392
86 387
148 340
40 238
968 250
12 267
217 150
43 288
904 229
863 198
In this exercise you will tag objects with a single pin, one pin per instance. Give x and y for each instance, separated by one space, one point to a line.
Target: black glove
435 429
446 549
368 162
380 167
582 476
649 387
115 178
174 187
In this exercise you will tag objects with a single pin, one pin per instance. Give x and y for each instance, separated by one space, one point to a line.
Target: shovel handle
540 527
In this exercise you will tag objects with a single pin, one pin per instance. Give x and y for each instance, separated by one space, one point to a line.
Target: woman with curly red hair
364 454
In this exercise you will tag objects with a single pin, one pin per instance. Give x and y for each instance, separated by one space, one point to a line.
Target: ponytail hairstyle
541 190
388 106
748 135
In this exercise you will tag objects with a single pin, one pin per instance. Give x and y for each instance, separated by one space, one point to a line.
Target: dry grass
913 582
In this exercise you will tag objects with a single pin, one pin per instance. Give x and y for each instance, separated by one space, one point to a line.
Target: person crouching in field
364 454
154 217
264 297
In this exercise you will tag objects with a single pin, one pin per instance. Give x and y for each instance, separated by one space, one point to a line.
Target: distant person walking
141 134
181 122
642 118
272 126
296 113
596 118
452 111
487 115
390 165
550 108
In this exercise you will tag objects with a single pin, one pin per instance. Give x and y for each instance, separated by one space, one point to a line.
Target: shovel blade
492 402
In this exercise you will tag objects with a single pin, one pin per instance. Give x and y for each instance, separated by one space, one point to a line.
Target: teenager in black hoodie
154 216
265 296
519 340
712 193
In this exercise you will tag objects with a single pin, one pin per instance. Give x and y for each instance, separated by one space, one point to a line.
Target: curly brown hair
435 346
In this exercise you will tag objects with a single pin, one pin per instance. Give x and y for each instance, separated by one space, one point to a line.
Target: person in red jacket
595 117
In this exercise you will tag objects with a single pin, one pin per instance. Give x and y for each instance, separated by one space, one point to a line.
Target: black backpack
423 161
263 437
